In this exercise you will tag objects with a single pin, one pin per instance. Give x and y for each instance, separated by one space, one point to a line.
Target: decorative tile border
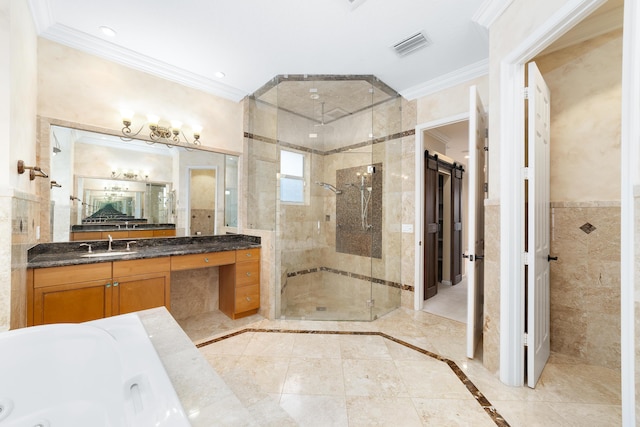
356 145
352 275
459 373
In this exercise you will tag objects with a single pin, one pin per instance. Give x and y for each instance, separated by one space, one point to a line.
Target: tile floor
449 302
342 379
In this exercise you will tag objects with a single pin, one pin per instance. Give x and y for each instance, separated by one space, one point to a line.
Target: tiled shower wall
585 281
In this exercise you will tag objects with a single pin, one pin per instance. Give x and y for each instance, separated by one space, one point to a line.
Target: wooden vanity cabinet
80 293
70 294
240 285
141 284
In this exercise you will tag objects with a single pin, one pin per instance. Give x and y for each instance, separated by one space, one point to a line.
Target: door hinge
525 93
486 135
525 173
525 339
486 187
371 302
525 258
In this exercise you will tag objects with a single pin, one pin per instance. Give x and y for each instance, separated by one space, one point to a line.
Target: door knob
552 258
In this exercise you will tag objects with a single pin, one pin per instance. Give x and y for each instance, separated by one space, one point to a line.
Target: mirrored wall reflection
134 185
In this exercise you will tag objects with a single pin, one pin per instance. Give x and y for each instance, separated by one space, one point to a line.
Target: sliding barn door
456 225
430 225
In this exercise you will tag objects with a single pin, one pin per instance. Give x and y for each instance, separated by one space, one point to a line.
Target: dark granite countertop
120 227
70 253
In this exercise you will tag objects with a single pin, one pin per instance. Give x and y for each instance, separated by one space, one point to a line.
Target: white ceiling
252 41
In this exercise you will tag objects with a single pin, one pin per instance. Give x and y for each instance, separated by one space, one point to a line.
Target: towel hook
34 171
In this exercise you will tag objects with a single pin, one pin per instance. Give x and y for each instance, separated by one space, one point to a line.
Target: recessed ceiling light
220 74
108 31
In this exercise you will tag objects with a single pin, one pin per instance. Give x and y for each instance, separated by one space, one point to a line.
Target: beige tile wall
585 282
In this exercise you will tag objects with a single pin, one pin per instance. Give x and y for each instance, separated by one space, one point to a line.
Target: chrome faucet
86 244
110 240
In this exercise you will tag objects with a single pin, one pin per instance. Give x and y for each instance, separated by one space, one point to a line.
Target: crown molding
96 46
472 71
489 11
439 136
42 14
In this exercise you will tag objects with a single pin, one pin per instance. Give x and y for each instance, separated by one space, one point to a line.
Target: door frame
512 128
418 298
630 177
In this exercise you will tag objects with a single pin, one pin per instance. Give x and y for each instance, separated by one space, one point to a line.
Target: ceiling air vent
411 44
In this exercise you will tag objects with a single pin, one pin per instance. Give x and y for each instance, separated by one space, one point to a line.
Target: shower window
292 182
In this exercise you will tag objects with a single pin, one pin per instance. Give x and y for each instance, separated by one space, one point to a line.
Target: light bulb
153 119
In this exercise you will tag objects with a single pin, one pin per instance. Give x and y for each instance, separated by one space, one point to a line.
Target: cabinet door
72 303
141 292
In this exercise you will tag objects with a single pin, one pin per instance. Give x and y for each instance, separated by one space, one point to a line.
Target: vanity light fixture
132 176
169 135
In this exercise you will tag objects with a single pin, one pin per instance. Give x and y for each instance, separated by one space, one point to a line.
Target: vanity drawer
243 255
141 266
168 232
210 259
71 274
247 273
247 298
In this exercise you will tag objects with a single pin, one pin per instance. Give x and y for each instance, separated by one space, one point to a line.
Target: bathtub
100 373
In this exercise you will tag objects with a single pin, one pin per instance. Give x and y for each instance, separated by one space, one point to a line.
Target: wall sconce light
168 135
34 171
55 184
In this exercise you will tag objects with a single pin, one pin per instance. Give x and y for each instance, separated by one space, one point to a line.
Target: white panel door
539 117
475 221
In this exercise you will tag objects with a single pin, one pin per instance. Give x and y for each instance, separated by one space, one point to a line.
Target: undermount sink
104 254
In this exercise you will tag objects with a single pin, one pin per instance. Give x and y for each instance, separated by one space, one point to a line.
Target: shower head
329 187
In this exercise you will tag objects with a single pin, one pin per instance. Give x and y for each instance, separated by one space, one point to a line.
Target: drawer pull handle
108 285
248 299
248 273
116 283
248 254
206 260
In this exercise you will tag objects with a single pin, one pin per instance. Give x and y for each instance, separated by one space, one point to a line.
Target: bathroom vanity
67 283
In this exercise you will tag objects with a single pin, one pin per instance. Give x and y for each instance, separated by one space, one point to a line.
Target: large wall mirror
136 188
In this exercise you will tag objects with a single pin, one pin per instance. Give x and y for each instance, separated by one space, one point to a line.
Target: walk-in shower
324 175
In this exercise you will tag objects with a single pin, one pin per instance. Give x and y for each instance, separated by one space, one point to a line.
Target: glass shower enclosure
325 175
